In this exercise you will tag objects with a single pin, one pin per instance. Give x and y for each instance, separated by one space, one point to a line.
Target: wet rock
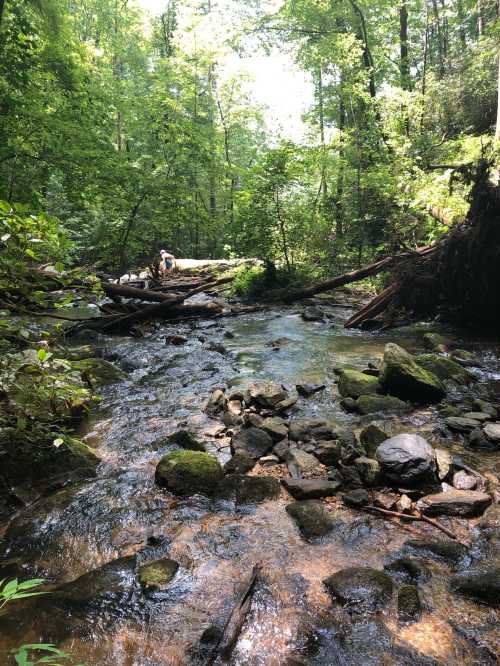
461 424
409 606
361 589
482 417
281 449
481 586
313 314
306 390
275 427
232 420
186 440
409 570
241 463
216 403
445 368
98 372
229 335
371 436
176 340
254 441
368 470
217 347
305 430
328 453
248 489
351 477
490 520
266 394
444 463
300 463
155 576
436 342
478 440
464 481
449 410
188 473
492 432
305 489
463 503
278 342
353 384
407 459
311 517
371 404
288 402
450 552
349 404
351 448
356 498
465 358
253 420
486 408
403 377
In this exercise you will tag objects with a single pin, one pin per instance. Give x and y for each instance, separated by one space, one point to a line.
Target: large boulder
354 384
463 503
482 586
311 517
406 459
305 430
360 588
445 368
253 441
188 473
248 489
404 378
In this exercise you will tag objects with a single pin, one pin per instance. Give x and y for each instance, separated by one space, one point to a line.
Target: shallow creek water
122 513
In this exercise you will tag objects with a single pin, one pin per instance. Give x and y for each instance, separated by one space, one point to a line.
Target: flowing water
122 518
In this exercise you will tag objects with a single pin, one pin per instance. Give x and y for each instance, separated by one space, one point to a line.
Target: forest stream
94 535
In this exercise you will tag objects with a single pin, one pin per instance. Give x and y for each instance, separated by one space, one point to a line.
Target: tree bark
403 44
497 132
2 8
367 55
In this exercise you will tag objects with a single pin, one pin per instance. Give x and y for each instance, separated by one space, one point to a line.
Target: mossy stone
248 489
371 436
241 463
352 384
186 440
371 404
402 376
311 517
409 605
436 342
360 588
158 574
445 368
189 472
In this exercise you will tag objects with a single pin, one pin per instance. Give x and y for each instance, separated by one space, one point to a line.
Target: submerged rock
156 575
186 440
404 378
353 384
449 551
313 313
304 489
188 473
360 588
253 441
307 390
248 489
482 586
406 459
409 605
463 503
311 517
409 569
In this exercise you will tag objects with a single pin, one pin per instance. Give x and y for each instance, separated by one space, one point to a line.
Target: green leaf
42 355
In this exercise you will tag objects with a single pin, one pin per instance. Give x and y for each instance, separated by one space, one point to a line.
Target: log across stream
108 527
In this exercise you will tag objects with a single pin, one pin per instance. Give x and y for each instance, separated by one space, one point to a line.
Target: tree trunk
323 185
439 37
497 133
367 56
403 45
2 8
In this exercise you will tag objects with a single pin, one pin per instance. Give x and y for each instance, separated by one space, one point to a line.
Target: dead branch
419 517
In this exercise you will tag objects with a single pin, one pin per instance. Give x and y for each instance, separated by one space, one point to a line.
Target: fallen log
236 620
113 290
373 308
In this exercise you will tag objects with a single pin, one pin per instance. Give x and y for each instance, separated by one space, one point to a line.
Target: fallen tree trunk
373 308
113 290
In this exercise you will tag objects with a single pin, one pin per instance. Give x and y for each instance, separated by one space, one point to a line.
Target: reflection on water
106 619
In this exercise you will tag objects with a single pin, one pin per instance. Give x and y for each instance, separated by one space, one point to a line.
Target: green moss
354 384
189 472
444 368
186 440
408 603
404 378
156 575
370 404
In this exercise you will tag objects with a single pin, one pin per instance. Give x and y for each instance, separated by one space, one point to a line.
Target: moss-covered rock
360 588
241 463
483 586
403 377
352 384
372 404
98 372
371 436
409 606
188 473
248 489
186 440
311 517
157 575
445 368
436 342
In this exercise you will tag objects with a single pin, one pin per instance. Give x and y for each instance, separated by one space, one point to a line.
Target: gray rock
304 489
407 459
281 449
253 420
313 314
311 517
216 403
492 432
328 453
248 489
372 404
305 430
360 588
356 498
307 390
478 440
461 424
403 377
483 586
369 471
266 394
482 417
371 436
269 461
351 477
486 408
300 463
241 463
254 441
464 481
276 427
445 368
463 503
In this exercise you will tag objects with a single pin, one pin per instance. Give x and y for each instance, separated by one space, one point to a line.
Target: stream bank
90 539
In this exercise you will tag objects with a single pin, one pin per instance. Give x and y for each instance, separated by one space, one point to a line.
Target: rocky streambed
275 439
